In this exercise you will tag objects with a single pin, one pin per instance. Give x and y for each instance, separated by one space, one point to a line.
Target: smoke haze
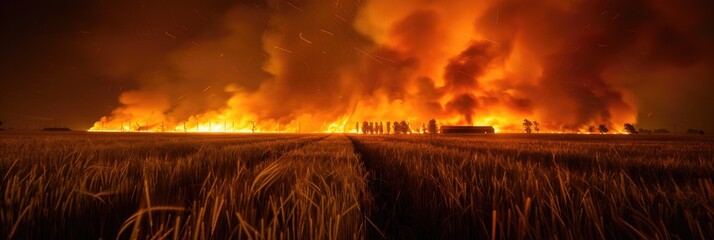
324 65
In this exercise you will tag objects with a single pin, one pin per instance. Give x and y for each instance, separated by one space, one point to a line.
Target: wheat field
337 186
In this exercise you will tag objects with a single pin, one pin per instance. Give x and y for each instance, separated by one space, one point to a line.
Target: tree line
530 126
398 127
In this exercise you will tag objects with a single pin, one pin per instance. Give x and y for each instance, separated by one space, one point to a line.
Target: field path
390 218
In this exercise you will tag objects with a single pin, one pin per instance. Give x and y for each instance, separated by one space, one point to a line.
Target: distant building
467 129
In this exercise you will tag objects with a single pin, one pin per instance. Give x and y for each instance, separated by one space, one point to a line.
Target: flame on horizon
323 66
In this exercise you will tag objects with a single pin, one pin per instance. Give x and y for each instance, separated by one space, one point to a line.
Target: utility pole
184 127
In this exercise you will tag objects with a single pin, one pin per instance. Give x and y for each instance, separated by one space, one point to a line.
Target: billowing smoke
323 65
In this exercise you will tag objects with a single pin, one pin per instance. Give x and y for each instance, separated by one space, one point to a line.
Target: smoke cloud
323 65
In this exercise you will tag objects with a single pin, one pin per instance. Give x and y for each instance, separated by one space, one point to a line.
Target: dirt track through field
389 217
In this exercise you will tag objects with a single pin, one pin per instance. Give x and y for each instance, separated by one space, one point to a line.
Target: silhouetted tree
432 126
381 128
405 127
389 127
570 127
423 128
630 128
253 126
603 129
535 126
365 127
357 127
397 128
527 125
591 129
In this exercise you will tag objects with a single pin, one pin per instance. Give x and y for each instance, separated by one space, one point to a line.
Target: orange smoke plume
313 66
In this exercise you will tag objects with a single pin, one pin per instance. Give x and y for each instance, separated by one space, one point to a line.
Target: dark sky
69 61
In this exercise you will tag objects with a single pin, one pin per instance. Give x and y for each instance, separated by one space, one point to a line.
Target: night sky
74 62
70 60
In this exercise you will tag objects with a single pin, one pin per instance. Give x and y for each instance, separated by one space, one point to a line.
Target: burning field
357 119
336 186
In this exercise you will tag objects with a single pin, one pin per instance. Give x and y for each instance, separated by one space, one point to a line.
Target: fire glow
322 67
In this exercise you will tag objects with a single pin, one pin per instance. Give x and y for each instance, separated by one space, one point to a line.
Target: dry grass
178 187
281 186
525 187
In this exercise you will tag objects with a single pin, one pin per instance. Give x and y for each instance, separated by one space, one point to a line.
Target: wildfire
326 67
